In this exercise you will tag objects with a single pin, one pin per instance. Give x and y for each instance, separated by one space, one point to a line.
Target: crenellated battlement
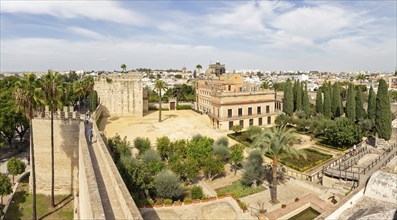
120 76
67 113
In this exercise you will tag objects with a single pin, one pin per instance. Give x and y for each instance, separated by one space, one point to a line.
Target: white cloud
94 10
83 32
270 35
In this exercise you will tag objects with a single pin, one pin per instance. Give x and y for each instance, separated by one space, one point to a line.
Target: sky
265 35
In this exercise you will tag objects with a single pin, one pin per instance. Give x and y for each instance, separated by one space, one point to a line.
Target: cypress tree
319 101
330 93
327 103
337 110
360 111
288 100
371 104
383 113
306 101
351 103
297 96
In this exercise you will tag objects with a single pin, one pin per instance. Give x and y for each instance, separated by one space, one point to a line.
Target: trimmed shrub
168 185
142 144
197 192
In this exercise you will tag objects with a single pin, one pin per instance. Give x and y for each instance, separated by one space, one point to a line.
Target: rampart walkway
344 169
110 203
103 193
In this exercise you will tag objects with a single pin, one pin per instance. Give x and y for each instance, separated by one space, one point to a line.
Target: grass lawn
313 158
238 190
21 206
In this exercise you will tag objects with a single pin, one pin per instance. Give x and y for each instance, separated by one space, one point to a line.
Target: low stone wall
89 199
128 205
167 104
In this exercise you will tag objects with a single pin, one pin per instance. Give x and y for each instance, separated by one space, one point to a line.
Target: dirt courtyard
181 124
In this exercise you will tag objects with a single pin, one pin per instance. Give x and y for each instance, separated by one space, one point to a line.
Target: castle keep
122 94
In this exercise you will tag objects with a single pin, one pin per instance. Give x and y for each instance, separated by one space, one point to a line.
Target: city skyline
266 35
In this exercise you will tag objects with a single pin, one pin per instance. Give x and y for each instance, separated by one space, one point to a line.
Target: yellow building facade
229 101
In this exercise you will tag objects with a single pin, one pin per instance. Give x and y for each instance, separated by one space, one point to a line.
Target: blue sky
265 35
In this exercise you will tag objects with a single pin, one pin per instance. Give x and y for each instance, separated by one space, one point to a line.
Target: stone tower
121 94
66 145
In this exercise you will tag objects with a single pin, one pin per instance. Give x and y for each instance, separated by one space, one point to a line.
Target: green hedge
238 139
313 158
183 107
238 190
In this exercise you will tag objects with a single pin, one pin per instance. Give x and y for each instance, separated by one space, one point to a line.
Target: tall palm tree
78 90
275 141
26 98
123 67
87 86
160 85
199 67
52 88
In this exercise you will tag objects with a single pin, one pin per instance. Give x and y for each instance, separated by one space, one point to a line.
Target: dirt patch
181 124
225 180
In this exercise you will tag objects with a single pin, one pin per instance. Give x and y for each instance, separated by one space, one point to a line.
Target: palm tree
160 85
26 98
78 90
52 88
199 67
275 141
87 86
266 85
123 67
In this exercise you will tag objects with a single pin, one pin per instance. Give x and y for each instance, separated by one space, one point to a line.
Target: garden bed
238 190
313 158
21 205
241 137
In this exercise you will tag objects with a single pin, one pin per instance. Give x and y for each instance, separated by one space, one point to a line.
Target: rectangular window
260 122
230 125
242 123
240 112
229 113
251 122
250 111
269 120
258 110
267 109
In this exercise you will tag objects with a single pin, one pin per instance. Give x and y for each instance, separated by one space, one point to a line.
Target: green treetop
319 101
288 101
306 101
327 103
360 111
383 116
371 104
351 103
337 109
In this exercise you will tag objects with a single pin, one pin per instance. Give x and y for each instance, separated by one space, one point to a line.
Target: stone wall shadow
69 132
103 118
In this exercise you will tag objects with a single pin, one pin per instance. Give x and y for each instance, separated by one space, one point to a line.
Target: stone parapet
128 205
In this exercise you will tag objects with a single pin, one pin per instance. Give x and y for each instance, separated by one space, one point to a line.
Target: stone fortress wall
66 145
122 94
